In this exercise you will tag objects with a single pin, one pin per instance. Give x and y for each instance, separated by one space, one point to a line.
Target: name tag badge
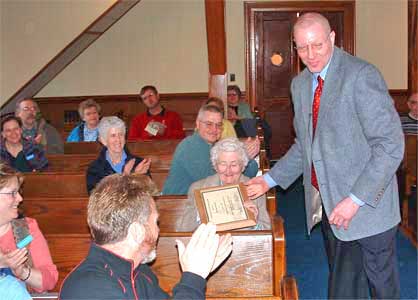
30 156
152 128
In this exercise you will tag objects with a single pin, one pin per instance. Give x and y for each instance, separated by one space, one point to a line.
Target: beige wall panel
32 32
382 38
158 42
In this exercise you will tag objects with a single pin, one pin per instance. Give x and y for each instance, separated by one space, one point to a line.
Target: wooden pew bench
69 184
408 171
69 215
80 162
255 269
141 148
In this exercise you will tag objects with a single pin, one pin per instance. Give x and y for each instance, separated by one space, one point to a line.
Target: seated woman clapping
24 155
32 264
114 157
229 159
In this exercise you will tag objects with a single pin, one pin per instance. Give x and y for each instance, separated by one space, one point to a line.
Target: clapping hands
15 260
141 168
205 250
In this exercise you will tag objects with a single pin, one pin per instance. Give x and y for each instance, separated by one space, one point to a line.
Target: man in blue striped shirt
410 121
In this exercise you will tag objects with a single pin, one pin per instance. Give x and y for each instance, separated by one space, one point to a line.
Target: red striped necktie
315 111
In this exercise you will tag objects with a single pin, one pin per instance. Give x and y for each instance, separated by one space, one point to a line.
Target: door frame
250 10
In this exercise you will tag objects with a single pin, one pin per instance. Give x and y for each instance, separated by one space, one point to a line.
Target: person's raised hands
15 260
252 146
205 250
143 166
128 166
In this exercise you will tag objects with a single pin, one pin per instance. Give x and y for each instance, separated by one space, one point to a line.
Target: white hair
229 145
110 122
208 108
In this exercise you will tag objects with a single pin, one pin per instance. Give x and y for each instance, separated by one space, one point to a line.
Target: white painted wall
32 32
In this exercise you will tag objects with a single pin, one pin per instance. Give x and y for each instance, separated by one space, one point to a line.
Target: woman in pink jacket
32 264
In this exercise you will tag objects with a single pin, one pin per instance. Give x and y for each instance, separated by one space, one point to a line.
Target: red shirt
171 119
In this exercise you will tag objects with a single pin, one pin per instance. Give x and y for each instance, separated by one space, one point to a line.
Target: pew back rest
250 271
69 215
141 148
69 184
80 162
410 160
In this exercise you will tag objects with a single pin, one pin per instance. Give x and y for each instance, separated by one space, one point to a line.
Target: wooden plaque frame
224 206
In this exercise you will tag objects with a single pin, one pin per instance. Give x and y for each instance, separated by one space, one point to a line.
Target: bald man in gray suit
348 153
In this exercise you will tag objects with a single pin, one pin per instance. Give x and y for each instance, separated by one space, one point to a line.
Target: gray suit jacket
357 148
190 220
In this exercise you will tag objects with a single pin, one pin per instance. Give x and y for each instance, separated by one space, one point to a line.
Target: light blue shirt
270 181
119 166
90 135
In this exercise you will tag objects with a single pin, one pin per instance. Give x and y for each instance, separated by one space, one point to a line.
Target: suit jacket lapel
331 88
306 98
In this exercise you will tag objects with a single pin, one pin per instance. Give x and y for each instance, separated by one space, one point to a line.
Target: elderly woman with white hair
114 157
229 159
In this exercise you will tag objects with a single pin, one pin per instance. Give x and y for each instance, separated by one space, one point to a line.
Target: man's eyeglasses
12 193
29 108
212 125
315 47
147 96
232 94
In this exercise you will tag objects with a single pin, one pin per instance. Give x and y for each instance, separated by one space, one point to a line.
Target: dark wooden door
273 62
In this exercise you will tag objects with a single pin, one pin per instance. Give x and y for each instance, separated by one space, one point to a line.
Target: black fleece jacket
105 275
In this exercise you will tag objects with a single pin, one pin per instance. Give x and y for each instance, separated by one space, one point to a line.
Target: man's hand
256 187
252 146
161 128
224 249
342 214
205 251
143 166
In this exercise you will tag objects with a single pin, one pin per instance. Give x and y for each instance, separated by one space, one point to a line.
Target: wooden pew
69 215
255 268
409 175
80 162
142 148
69 184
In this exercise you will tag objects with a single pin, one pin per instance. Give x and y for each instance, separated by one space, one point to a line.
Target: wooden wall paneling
126 106
217 87
216 37
413 46
400 97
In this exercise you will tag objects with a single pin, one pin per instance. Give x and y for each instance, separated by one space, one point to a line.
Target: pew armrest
289 288
44 296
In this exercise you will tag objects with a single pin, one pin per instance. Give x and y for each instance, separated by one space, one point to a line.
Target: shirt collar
119 166
324 71
162 112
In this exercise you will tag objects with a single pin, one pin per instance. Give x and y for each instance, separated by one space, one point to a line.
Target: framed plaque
224 206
